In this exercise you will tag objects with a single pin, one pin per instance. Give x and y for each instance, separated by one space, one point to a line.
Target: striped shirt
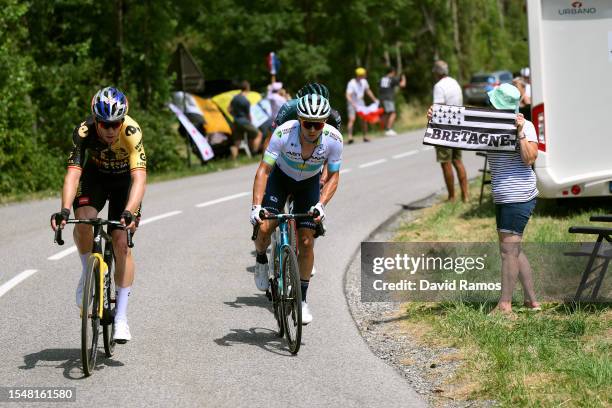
285 150
512 181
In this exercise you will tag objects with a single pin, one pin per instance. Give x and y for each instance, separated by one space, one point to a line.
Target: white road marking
427 148
406 154
222 199
372 163
73 248
63 253
159 217
16 280
343 171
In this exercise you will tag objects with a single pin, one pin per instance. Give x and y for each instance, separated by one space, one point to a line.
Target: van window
505 77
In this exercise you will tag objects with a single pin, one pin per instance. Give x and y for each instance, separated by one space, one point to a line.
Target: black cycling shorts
306 193
95 188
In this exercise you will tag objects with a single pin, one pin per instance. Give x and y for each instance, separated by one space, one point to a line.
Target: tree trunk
119 56
456 38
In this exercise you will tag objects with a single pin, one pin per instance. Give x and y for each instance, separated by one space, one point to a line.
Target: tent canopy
215 121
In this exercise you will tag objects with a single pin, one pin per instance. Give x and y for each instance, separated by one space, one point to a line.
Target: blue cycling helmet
109 105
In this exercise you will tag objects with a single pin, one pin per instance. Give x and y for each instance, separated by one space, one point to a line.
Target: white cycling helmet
313 107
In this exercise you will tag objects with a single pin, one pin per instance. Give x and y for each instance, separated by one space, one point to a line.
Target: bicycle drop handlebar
281 217
94 221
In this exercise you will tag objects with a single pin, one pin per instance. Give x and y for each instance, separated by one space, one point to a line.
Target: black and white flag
470 128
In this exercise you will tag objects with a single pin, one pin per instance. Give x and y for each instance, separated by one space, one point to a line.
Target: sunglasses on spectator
110 125
313 125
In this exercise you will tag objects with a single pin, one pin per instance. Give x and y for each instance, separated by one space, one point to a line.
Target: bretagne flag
470 128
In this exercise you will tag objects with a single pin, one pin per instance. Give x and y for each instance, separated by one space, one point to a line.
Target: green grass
470 222
558 357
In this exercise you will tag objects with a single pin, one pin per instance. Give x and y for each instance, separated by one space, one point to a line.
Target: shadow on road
67 359
263 338
249 301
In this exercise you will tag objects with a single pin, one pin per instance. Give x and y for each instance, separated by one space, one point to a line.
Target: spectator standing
355 91
525 102
448 92
386 92
526 74
513 183
240 109
276 97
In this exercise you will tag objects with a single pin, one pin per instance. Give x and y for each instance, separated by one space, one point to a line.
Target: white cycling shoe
306 315
261 276
122 332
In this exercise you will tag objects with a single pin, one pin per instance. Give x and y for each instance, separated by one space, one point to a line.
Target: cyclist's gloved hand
59 219
255 214
127 218
320 208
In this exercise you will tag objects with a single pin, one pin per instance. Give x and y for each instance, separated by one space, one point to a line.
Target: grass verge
558 357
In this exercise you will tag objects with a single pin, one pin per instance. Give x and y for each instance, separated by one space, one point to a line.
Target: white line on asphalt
222 199
372 163
159 217
410 153
345 171
73 248
62 254
16 280
427 148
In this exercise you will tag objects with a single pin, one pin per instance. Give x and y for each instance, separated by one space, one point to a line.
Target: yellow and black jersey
124 155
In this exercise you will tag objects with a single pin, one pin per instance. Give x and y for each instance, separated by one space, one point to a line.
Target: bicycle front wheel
291 300
90 321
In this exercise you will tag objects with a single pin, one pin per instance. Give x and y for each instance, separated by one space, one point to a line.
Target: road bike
285 290
98 291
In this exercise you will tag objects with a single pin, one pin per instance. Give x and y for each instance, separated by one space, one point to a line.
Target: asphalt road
202 334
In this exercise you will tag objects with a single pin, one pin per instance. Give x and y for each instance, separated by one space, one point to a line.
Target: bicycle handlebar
281 217
93 221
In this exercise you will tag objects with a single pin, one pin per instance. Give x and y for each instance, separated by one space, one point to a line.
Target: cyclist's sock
262 258
122 296
84 257
304 288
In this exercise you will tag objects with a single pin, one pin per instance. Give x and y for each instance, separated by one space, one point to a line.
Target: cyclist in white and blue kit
292 165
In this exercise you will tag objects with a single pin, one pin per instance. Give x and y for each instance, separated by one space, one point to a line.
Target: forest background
54 55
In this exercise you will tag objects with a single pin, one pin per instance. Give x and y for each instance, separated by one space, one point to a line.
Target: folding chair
601 251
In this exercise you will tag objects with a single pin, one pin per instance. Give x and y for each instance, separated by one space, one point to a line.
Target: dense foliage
54 55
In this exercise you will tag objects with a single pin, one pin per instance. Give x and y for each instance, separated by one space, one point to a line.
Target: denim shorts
512 217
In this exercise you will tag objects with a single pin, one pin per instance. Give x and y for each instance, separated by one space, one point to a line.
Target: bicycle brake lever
58 236
130 243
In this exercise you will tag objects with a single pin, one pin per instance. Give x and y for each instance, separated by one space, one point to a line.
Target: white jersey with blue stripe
285 150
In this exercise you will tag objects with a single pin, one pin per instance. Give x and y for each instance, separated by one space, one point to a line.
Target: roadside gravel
429 370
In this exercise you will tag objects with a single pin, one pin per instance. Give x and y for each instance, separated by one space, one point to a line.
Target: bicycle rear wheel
109 315
90 321
291 300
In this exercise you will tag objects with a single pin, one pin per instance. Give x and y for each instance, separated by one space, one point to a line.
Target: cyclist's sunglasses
110 125
313 125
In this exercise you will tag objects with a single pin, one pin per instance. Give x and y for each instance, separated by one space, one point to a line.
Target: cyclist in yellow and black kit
107 162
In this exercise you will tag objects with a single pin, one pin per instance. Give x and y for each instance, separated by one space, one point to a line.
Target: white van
570 50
